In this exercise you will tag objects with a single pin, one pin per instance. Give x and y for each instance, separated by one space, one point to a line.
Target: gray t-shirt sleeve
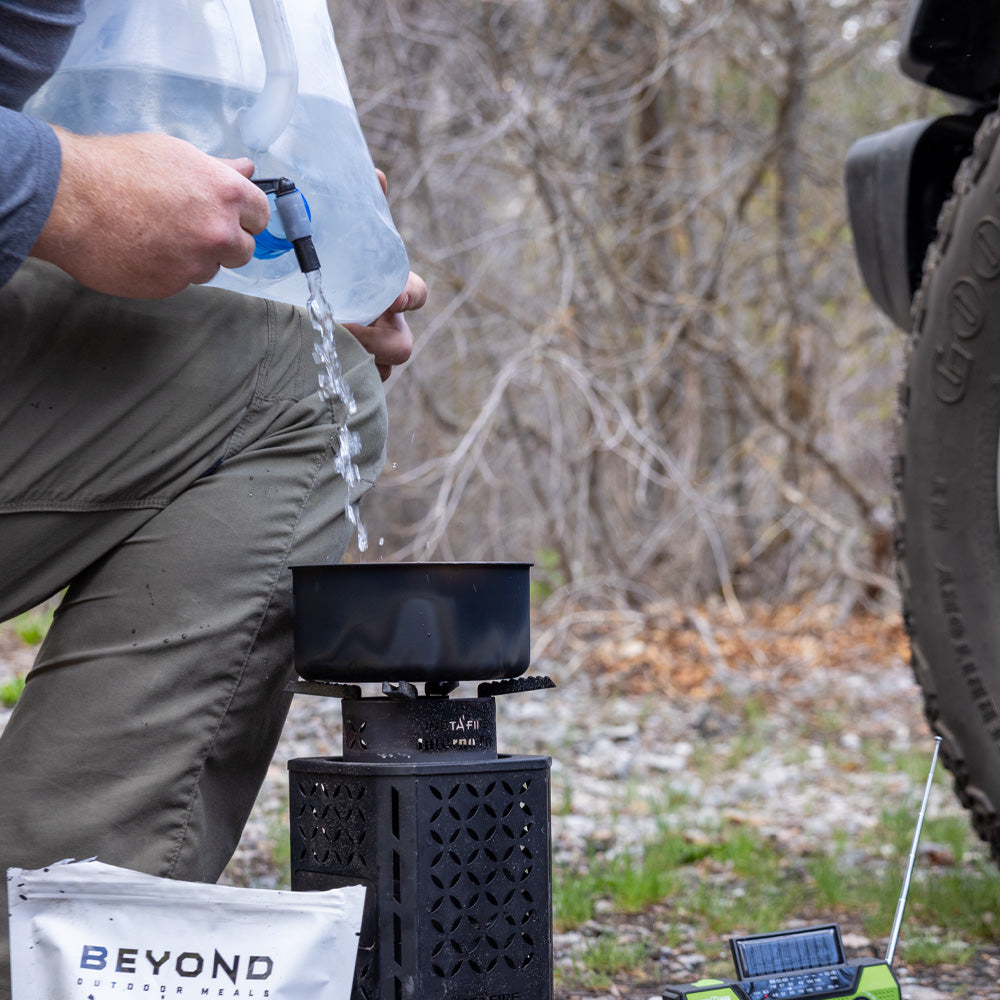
29 175
34 35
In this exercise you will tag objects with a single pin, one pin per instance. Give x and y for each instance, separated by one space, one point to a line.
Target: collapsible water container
245 78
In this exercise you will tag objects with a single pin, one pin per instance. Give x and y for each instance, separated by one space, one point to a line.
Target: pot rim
386 567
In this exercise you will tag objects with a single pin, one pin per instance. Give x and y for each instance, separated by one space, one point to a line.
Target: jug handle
266 118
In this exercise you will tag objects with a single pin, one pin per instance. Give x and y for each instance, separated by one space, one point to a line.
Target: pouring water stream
333 387
293 213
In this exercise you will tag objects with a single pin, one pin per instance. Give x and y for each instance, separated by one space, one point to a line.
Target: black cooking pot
411 621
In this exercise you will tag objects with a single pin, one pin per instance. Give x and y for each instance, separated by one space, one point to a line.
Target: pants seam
259 395
77 506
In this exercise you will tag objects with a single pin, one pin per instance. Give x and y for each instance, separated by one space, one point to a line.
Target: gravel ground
679 716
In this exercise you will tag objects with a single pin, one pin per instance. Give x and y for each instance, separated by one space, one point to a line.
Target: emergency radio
798 964
809 963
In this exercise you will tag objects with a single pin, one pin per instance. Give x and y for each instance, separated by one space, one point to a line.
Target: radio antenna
901 905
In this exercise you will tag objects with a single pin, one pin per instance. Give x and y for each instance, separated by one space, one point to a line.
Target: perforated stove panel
457 865
333 827
485 907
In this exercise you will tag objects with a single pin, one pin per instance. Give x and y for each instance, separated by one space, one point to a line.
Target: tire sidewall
947 521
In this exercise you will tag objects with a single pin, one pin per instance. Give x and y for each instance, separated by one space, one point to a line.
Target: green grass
922 950
10 691
739 881
272 869
547 575
629 883
281 849
31 626
596 965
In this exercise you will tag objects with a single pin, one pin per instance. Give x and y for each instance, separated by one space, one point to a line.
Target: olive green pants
166 463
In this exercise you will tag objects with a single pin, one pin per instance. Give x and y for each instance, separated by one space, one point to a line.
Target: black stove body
450 837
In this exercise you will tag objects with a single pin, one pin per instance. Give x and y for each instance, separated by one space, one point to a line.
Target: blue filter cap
273 242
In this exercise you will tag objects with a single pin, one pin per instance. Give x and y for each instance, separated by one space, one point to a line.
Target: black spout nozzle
305 254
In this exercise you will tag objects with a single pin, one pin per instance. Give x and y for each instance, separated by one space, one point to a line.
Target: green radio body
854 979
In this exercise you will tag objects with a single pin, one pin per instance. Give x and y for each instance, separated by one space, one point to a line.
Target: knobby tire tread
932 672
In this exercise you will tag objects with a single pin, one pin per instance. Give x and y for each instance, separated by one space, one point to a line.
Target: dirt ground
632 688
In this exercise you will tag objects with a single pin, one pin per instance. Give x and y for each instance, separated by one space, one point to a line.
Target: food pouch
91 931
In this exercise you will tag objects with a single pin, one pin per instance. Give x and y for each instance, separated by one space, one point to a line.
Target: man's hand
389 338
146 215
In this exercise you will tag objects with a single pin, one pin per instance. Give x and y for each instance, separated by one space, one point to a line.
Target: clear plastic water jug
245 78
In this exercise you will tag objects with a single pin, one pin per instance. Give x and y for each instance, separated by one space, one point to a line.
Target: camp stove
450 837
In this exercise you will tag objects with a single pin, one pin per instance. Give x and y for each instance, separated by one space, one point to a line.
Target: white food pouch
90 931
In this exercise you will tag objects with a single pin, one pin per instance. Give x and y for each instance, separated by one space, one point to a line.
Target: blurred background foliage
647 355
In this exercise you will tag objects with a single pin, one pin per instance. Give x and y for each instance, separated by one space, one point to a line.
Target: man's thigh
110 408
